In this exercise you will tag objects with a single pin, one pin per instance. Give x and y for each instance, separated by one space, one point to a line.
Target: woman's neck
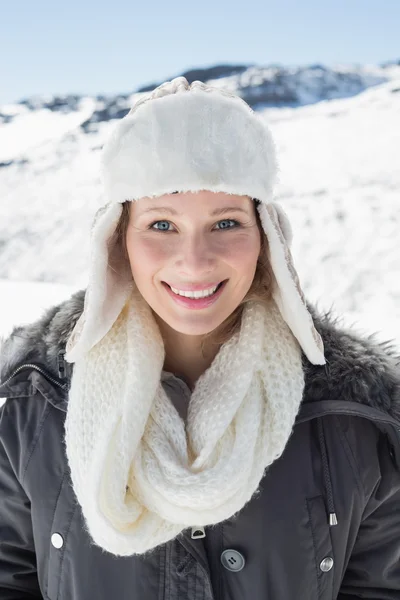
184 354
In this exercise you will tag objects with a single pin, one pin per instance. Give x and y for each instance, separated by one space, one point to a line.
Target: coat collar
358 369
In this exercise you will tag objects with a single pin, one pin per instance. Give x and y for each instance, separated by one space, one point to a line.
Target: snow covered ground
339 183
24 302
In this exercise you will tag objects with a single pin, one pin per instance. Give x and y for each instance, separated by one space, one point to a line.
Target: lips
196 303
196 288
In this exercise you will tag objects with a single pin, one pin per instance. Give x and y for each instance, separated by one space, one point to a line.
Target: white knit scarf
139 474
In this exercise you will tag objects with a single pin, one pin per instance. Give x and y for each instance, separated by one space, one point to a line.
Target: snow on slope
340 182
33 129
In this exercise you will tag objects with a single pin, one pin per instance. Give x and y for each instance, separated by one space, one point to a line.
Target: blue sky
48 47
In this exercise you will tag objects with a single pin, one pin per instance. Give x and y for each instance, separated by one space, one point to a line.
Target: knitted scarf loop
140 475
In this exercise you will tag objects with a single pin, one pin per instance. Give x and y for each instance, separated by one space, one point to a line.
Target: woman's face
193 240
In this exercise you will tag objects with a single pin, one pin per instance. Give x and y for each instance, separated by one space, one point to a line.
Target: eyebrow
216 211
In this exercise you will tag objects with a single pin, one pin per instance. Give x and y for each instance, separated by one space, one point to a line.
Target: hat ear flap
284 223
287 291
109 286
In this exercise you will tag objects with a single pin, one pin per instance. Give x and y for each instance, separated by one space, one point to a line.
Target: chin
201 327
192 330
197 332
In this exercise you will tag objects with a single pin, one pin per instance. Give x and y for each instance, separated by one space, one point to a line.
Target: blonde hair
260 289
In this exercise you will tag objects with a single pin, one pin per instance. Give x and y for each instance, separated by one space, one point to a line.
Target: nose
196 257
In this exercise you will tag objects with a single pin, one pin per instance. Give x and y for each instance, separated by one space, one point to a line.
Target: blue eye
159 229
235 224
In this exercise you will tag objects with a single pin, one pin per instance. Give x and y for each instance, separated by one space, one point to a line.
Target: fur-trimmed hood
359 369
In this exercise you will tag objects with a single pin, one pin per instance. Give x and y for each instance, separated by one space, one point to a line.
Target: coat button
57 540
326 564
232 560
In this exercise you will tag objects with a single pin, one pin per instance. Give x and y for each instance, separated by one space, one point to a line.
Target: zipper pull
198 532
332 519
61 364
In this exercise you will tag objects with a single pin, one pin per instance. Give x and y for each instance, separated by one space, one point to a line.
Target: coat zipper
198 532
61 371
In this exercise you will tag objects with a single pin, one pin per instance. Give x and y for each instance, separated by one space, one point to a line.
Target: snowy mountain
291 86
261 87
338 136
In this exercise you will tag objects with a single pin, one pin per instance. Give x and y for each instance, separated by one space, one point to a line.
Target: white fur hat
183 137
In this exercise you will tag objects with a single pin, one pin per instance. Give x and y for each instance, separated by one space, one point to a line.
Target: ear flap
109 286
284 223
287 292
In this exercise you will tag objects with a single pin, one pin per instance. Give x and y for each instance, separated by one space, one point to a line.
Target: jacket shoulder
358 367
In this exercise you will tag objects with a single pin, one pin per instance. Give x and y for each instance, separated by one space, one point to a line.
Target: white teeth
199 294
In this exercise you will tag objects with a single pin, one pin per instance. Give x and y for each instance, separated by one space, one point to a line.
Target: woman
206 435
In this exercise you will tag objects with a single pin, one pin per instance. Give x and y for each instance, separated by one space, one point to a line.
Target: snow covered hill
275 85
338 136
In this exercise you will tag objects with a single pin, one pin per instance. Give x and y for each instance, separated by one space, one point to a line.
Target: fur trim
191 136
358 368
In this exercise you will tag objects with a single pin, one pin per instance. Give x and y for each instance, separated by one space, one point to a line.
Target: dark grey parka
342 462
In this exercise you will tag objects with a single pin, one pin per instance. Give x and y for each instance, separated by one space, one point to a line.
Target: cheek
146 255
241 251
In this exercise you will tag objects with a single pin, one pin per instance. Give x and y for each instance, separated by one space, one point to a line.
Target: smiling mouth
216 289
